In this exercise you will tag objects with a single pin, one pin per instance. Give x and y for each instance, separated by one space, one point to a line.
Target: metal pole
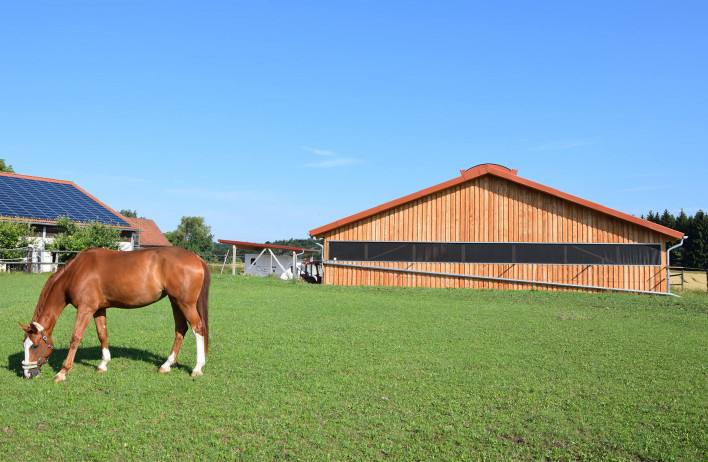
508 280
233 261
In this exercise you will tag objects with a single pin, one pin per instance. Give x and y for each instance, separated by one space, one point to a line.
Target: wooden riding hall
492 229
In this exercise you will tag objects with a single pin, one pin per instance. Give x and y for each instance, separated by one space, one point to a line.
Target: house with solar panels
41 201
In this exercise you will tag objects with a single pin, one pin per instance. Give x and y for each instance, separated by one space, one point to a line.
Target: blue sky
272 118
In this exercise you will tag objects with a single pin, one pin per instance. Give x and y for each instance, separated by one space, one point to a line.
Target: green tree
307 243
697 241
14 235
129 213
694 251
75 238
192 234
5 168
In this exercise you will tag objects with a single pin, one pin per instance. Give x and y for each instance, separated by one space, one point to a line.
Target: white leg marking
201 355
104 360
168 364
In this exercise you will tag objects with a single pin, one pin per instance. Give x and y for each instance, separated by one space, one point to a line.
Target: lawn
306 372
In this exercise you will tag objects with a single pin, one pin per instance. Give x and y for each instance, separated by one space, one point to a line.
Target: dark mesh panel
497 252
488 252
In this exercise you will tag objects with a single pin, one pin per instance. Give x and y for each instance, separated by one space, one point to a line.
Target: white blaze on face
27 344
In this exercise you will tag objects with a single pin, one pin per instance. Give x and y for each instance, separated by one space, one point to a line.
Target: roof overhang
508 174
40 222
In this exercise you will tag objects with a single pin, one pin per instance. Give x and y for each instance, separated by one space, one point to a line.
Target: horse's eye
34 347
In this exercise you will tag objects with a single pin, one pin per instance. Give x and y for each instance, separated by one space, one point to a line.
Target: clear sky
272 118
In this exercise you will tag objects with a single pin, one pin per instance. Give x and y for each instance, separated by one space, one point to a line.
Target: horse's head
38 346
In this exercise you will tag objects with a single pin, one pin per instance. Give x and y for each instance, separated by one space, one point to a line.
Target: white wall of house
268 265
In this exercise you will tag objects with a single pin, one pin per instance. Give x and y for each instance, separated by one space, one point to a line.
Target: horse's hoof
59 377
162 370
100 370
196 373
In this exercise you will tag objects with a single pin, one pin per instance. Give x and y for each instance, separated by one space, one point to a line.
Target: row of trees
694 251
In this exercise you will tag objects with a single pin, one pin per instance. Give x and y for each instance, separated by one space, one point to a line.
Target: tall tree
192 234
129 213
698 241
5 168
694 251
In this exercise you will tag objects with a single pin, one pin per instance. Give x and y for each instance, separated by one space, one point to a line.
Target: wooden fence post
29 260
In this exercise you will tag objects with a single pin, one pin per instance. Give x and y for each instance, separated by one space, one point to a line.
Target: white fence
31 260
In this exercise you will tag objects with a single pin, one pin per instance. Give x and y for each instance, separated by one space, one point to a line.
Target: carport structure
262 248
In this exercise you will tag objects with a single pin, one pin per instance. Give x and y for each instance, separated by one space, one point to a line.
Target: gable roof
150 234
43 200
507 174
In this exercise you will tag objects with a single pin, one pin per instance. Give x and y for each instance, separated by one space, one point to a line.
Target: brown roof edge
508 174
255 246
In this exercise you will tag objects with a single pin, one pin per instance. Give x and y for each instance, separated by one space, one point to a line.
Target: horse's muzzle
31 373
30 369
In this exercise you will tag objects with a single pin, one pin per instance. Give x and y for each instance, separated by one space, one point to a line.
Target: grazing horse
97 279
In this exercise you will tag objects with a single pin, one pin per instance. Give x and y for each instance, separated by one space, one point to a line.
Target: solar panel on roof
39 199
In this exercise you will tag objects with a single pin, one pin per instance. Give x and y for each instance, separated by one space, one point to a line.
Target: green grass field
307 372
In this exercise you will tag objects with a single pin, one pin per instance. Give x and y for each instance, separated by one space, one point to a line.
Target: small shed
266 262
490 228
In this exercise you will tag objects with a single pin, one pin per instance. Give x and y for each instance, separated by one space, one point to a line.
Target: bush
73 237
13 235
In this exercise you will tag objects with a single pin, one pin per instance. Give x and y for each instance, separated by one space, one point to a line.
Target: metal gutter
489 278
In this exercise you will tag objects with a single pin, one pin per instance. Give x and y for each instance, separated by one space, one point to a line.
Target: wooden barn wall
491 209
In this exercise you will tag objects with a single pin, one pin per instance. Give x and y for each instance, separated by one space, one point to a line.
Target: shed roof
501 172
43 200
254 246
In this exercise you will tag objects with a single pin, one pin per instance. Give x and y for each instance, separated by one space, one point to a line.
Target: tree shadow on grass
91 356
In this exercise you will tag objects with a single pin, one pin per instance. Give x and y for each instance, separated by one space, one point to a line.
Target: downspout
668 265
323 260
322 247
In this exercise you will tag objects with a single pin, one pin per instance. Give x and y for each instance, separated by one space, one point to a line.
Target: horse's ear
24 327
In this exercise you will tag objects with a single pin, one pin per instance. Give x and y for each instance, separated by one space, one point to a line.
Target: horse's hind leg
102 330
189 313
180 330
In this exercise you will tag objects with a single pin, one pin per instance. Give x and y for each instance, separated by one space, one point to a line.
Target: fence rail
31 260
690 279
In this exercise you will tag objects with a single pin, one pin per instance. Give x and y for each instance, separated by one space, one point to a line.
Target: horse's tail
203 305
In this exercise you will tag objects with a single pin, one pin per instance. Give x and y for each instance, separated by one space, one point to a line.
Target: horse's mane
48 287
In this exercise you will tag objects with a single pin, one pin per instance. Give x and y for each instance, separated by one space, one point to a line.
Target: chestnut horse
97 279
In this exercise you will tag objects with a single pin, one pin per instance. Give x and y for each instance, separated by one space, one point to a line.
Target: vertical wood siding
491 209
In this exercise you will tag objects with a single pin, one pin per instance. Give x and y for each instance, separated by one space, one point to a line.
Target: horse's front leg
83 317
102 330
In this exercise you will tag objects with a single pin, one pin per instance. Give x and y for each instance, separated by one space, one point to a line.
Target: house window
497 252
